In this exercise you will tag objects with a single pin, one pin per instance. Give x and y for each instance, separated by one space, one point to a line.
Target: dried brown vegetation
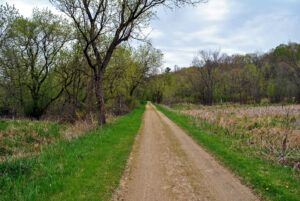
273 130
26 137
83 125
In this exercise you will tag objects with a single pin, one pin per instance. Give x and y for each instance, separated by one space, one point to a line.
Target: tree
207 62
31 59
248 78
7 15
128 70
167 70
252 82
148 60
105 24
290 55
117 82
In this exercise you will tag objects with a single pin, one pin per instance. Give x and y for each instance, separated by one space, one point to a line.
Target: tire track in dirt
166 165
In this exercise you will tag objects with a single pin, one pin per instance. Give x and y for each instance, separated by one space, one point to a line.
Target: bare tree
104 24
208 62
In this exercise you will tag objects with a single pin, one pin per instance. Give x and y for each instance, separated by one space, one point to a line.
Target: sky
231 26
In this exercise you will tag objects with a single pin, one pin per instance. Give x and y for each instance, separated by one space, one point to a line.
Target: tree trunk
120 105
100 100
89 100
36 113
298 95
132 90
241 102
22 105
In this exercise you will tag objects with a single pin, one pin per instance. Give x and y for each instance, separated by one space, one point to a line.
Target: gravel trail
167 165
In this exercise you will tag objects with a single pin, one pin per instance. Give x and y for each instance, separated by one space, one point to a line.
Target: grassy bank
24 137
86 168
268 179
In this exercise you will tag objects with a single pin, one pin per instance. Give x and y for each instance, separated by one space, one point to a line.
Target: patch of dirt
166 164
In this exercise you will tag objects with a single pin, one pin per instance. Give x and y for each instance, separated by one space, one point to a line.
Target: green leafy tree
103 25
31 59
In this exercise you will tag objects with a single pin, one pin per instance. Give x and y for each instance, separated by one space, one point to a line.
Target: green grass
271 181
86 168
3 124
18 137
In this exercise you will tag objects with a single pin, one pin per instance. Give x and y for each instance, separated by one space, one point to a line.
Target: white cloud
173 58
177 49
156 34
152 33
209 33
25 7
214 10
232 51
262 32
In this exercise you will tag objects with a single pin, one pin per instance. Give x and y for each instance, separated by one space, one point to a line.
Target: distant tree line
216 78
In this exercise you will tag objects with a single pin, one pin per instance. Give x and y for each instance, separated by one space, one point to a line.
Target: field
259 144
273 130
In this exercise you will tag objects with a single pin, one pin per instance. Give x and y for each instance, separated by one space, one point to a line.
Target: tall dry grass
273 130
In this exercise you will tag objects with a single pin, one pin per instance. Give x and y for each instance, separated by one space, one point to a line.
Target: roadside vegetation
255 144
19 138
23 137
85 168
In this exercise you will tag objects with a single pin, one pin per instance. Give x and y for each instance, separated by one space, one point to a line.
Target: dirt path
166 165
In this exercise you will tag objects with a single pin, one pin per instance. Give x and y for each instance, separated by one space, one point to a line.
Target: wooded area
216 78
79 63
51 66
41 64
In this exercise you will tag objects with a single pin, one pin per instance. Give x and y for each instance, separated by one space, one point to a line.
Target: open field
84 168
273 130
263 161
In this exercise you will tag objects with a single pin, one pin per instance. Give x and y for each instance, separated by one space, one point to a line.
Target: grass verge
85 168
271 181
